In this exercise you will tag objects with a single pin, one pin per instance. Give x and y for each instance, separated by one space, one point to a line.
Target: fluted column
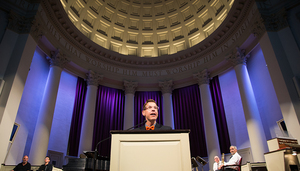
42 130
256 133
86 135
129 103
211 133
166 89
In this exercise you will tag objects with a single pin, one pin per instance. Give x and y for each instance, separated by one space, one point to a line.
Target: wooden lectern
137 150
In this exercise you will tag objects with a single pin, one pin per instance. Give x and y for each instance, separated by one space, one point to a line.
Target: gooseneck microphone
96 148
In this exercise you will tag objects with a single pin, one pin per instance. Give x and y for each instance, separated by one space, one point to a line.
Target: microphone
125 130
96 148
137 125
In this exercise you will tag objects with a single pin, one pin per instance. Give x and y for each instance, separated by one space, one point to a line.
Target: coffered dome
147 28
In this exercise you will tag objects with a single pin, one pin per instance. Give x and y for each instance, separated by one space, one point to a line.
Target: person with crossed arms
150 112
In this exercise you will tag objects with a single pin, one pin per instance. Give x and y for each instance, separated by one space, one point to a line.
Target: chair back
240 164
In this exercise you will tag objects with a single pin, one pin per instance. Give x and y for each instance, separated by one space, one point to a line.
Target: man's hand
221 166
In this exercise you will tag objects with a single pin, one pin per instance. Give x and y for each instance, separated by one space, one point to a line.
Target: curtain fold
220 116
109 115
188 115
140 98
76 122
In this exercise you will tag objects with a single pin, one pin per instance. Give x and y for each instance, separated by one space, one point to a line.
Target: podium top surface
176 131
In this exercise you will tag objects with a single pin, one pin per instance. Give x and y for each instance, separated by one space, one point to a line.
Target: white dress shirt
216 165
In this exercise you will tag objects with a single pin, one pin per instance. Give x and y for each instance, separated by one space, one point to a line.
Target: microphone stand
96 151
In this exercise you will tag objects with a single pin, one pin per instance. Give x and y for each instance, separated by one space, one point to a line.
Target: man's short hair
233 147
149 100
48 157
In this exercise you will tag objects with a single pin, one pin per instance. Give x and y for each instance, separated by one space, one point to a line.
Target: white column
129 104
256 133
281 75
42 130
211 133
16 54
87 128
166 88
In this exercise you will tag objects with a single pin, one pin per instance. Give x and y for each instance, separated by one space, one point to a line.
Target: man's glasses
152 107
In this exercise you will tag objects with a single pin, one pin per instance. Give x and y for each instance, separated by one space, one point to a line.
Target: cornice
60 19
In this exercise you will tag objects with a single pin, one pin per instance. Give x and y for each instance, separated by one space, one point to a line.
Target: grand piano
86 163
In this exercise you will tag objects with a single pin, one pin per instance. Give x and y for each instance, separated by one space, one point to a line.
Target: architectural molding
166 86
234 17
85 54
130 87
258 27
202 77
238 57
58 59
93 78
37 30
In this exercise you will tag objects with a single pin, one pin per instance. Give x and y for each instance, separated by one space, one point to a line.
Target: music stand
194 163
201 161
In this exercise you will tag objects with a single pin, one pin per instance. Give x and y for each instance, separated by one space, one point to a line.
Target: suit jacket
44 168
157 127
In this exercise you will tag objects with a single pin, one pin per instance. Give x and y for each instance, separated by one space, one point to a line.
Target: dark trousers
229 169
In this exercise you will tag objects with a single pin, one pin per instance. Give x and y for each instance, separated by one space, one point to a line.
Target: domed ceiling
147 28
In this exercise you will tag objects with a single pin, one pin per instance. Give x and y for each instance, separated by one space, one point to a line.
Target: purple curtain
140 98
76 122
188 115
221 123
109 115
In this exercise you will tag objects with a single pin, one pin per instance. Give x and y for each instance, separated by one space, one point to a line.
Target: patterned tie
150 127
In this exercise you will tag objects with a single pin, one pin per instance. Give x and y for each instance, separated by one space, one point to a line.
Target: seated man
47 166
150 111
217 163
24 166
234 160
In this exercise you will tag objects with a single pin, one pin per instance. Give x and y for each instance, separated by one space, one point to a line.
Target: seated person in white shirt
217 163
234 160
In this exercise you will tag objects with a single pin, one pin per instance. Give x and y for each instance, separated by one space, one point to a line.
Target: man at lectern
150 112
234 160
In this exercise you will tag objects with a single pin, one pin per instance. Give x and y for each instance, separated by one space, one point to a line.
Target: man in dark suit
47 166
150 112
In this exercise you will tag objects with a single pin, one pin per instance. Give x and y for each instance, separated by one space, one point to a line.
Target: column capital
93 78
238 57
130 87
275 21
202 77
166 86
58 59
18 23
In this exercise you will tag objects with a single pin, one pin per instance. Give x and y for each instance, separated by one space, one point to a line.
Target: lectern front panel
148 152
